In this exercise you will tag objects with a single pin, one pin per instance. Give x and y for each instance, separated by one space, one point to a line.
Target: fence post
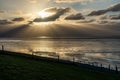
73 59
116 69
58 58
2 48
109 67
101 66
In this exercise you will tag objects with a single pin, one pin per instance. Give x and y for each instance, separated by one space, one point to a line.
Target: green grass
23 68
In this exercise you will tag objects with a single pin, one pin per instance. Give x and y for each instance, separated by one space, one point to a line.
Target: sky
11 8
21 13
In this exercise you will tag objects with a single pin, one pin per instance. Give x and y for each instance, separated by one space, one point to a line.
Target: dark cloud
111 17
51 18
30 22
77 16
103 22
101 12
87 21
1 11
57 9
18 19
114 8
103 17
97 13
115 17
58 12
4 22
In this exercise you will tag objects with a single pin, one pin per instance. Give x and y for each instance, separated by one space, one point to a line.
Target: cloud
33 1
21 14
97 13
64 30
4 22
77 16
113 8
18 19
111 17
57 13
57 9
2 11
115 17
86 21
71 1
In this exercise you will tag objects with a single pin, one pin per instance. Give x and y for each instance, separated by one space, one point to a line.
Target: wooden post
109 67
101 66
116 69
73 59
58 58
2 48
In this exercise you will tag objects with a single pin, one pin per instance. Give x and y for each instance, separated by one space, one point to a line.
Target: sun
44 14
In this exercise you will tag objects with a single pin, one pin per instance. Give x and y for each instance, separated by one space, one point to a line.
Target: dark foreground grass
22 68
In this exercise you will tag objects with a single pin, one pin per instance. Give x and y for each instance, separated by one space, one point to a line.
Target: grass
19 67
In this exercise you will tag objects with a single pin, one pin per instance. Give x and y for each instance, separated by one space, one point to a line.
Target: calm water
105 51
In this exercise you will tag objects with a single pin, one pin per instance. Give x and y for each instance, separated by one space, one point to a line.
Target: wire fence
72 59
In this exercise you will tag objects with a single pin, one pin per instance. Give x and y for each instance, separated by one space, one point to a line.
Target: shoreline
58 60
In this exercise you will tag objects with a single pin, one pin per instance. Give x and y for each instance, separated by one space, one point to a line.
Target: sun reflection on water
80 50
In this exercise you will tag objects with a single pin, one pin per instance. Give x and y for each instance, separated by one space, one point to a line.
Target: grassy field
16 67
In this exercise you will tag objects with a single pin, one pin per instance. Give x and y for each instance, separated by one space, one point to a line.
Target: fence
92 65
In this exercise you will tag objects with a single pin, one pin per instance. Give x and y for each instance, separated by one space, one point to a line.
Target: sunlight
42 23
44 14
